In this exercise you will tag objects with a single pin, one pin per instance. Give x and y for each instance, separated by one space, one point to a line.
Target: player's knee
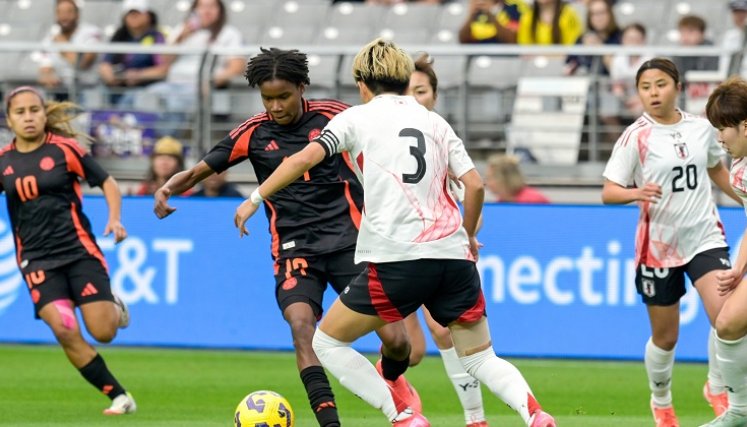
103 335
324 344
442 337
728 326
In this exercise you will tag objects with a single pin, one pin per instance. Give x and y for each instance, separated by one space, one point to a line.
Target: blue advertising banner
558 281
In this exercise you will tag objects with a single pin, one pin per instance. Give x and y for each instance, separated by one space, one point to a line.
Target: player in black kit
313 223
55 247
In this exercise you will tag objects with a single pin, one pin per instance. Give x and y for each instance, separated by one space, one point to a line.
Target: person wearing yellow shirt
492 21
549 22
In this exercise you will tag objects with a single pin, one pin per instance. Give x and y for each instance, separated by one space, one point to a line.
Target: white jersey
685 221
738 175
401 153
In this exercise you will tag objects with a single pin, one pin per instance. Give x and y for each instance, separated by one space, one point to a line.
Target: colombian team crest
313 133
648 288
681 149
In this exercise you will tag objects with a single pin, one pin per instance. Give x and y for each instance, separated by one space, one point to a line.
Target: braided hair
274 63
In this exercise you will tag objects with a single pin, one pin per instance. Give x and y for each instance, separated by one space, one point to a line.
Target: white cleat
124 312
728 419
122 404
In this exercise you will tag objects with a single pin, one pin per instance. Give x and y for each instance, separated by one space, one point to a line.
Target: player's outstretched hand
117 228
245 211
727 280
162 208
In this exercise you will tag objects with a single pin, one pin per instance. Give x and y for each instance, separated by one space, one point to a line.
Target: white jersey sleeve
338 135
624 163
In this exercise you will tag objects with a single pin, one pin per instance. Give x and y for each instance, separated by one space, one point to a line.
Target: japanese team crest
648 288
681 149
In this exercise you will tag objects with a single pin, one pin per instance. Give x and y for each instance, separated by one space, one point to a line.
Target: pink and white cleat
719 402
541 418
121 405
403 393
415 419
478 424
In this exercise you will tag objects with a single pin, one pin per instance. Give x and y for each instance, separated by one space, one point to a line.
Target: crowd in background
171 81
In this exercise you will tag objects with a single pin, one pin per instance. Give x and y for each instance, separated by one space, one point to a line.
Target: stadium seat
288 36
21 31
542 66
249 13
451 17
40 12
652 14
362 16
18 67
561 103
323 70
410 16
411 36
300 13
103 14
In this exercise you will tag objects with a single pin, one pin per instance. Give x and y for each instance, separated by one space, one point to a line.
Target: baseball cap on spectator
136 5
169 146
738 5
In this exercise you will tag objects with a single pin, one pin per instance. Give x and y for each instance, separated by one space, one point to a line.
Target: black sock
321 398
391 369
96 373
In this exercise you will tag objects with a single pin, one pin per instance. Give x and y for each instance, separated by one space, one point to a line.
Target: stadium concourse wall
558 281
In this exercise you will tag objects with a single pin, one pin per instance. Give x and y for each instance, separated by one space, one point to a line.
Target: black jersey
320 212
45 201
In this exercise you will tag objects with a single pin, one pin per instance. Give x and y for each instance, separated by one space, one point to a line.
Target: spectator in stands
166 160
549 22
216 185
601 28
622 74
57 70
139 25
492 21
205 26
692 33
733 37
505 180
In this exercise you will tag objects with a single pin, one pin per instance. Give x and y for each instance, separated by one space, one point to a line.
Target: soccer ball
264 409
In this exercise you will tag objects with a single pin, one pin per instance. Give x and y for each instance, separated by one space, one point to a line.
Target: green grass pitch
175 387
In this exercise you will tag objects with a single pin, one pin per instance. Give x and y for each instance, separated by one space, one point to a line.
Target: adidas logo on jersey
8 171
272 146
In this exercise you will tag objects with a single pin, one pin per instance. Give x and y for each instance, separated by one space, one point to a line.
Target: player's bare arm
720 176
288 171
474 195
114 201
615 194
178 184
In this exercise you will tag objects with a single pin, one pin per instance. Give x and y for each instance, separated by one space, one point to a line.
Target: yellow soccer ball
264 409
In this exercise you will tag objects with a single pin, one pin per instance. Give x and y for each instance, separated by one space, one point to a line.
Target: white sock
503 379
733 363
715 380
659 364
354 372
467 387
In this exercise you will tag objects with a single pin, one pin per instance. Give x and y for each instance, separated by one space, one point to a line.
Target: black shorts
449 288
665 286
304 279
82 281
